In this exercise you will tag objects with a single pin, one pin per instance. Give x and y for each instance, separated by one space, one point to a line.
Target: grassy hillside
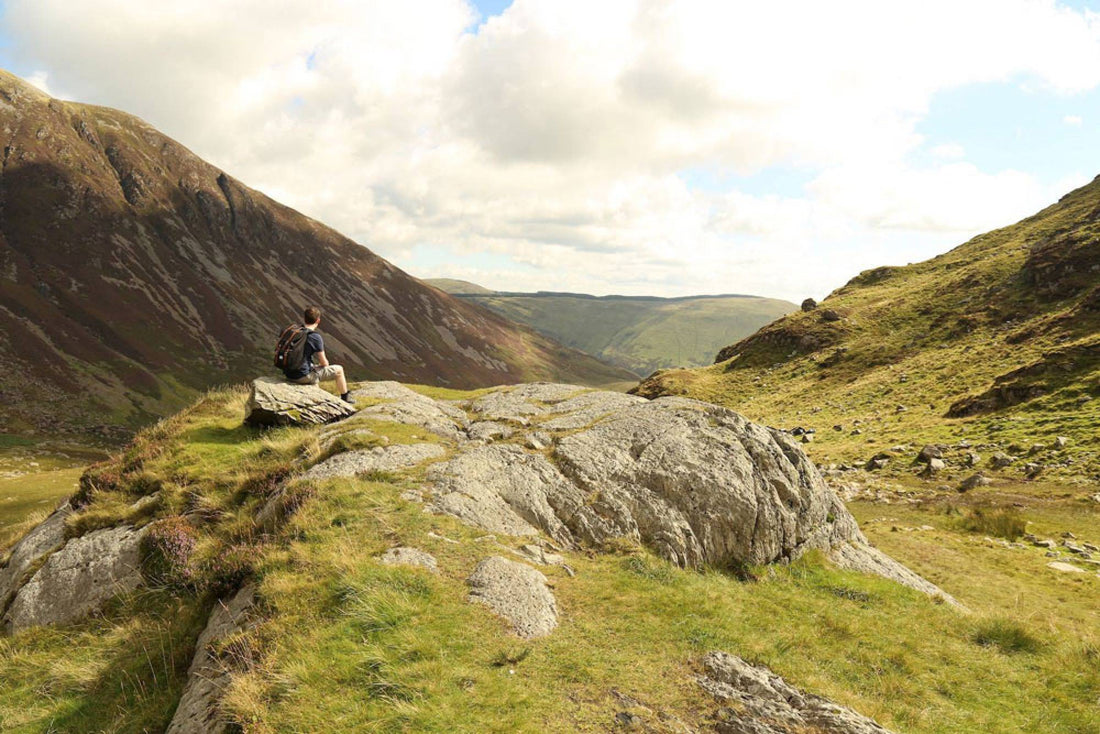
641 334
996 342
346 643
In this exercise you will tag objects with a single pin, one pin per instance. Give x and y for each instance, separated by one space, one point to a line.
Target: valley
641 334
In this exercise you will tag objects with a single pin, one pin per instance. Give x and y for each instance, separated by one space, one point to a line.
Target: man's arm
322 360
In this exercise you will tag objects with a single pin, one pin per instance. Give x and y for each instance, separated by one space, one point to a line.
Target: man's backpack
290 352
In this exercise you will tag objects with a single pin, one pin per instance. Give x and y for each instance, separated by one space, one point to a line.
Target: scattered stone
971 459
1091 547
1073 548
1068 535
198 711
935 466
516 592
404 556
1036 448
1050 544
760 702
45 538
489 430
275 402
79 578
929 452
876 463
900 409
838 428
809 305
830 315
1065 567
538 555
809 438
1061 442
975 480
1000 460
1096 498
1032 470
381 458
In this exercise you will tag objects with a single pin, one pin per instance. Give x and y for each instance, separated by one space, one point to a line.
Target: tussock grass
1000 523
1007 636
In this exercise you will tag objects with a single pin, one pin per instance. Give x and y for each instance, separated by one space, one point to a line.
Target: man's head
311 316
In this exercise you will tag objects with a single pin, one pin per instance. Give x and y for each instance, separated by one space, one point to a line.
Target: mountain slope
132 274
639 333
996 341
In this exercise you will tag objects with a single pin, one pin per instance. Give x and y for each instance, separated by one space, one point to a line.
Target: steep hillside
215 578
132 274
639 333
996 342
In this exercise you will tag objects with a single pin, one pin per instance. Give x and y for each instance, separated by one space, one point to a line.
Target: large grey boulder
276 402
516 592
208 676
42 540
382 458
79 578
757 701
697 483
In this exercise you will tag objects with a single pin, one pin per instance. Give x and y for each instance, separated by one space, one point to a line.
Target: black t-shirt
314 344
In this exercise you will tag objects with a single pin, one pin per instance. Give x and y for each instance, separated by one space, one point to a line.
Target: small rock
830 315
971 459
838 428
404 556
809 305
516 592
1032 470
1000 460
275 402
1065 567
809 437
1036 448
1046 544
935 466
929 452
975 480
1061 442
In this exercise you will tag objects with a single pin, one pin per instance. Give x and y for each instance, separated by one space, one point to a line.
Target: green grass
346 643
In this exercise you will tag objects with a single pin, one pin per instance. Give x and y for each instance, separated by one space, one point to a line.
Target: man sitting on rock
315 366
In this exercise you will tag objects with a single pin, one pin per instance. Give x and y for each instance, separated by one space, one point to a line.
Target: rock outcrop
516 592
697 483
276 402
757 701
45 538
208 675
77 579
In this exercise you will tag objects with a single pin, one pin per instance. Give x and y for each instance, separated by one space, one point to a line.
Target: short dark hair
311 315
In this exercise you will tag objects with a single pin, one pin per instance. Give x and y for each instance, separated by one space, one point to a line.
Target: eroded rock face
77 579
757 701
276 402
35 545
207 678
516 592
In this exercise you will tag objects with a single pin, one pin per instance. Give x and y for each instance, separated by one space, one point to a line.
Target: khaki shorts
320 373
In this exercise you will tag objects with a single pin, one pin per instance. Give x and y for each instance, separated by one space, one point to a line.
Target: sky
643 147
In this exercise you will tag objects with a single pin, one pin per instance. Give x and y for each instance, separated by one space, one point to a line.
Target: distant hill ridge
640 333
134 274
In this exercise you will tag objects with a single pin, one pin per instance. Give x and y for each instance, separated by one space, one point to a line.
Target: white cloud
1073 120
40 79
553 134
